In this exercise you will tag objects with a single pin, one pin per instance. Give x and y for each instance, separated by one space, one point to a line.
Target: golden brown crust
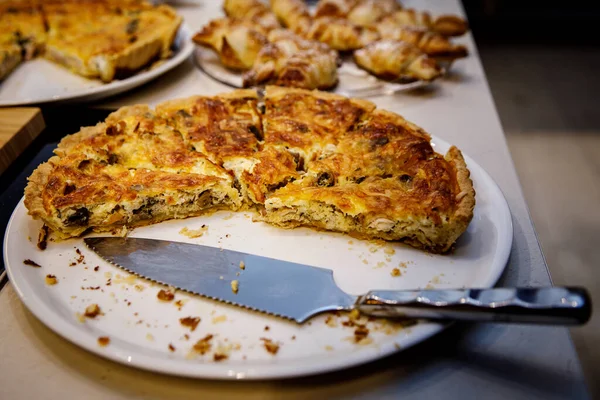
431 43
397 60
237 42
341 34
313 158
104 39
291 61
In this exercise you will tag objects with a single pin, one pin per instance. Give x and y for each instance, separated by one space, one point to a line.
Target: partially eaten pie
303 158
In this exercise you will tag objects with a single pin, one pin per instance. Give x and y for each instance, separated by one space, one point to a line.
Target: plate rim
297 368
184 35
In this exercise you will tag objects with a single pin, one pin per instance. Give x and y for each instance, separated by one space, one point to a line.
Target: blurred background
542 60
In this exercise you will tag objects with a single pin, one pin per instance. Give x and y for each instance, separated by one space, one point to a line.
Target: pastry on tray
308 158
341 34
237 42
251 10
291 61
396 60
431 43
293 14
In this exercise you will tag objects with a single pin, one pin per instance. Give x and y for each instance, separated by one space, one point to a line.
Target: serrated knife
299 292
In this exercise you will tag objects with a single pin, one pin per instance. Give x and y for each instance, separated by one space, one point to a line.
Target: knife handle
549 305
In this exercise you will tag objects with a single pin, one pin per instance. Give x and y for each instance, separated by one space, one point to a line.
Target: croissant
341 34
431 43
251 10
236 42
447 25
367 12
334 8
293 14
289 60
395 60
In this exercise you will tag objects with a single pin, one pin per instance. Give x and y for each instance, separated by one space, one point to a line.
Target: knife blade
299 292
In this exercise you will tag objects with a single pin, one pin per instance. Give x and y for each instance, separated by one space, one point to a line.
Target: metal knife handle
550 305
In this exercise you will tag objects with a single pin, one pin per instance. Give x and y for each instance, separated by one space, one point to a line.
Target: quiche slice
227 129
129 171
22 25
237 42
383 181
396 60
10 58
291 61
309 123
108 40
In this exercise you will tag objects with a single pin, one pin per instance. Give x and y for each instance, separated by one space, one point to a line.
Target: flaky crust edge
465 199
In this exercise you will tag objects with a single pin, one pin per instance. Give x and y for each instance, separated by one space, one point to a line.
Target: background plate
141 327
40 81
353 81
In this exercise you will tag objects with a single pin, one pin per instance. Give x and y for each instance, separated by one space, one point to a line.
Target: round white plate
40 81
141 327
353 81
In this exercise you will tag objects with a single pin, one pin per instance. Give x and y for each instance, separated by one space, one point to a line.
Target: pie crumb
165 295
190 322
235 285
270 346
396 272
171 347
103 341
329 348
203 345
51 280
92 311
193 233
220 318
242 265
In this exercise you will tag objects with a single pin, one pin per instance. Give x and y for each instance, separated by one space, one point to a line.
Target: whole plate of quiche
350 47
53 51
304 176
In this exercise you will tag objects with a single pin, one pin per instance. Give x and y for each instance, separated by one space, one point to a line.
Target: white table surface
469 361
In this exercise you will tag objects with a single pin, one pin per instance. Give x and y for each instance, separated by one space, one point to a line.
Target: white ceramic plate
40 81
141 327
353 81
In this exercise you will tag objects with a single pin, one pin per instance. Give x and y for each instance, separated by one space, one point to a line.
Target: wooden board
18 128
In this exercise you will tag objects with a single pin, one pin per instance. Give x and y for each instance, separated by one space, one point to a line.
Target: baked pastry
107 40
367 12
10 58
291 61
431 43
251 10
382 180
396 60
309 158
22 24
446 25
237 42
341 34
334 8
293 14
